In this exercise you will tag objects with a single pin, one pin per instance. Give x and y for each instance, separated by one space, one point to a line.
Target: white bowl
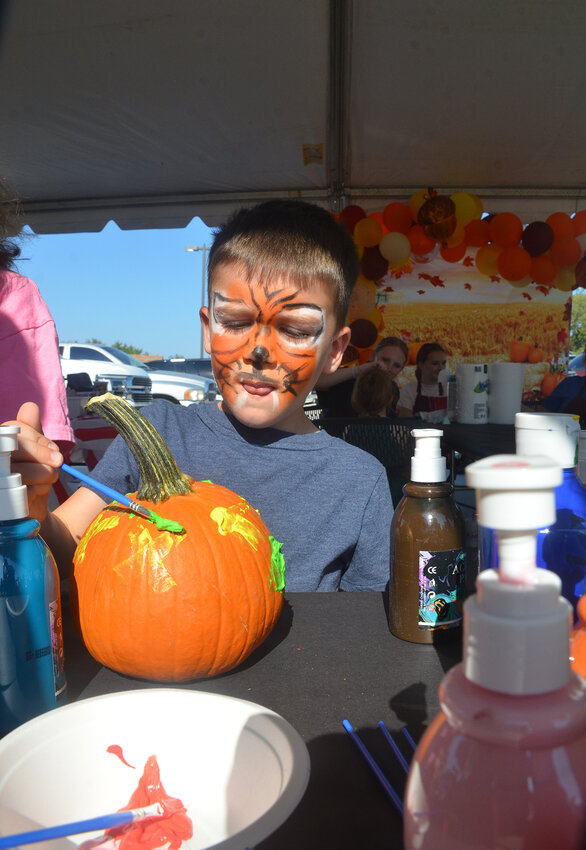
239 768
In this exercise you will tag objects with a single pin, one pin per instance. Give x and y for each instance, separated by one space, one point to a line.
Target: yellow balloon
416 202
566 279
486 259
465 208
521 284
395 247
457 237
362 300
479 206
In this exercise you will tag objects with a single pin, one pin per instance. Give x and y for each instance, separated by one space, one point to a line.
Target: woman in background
30 369
426 396
335 390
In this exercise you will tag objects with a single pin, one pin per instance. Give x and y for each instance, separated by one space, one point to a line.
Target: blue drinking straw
387 787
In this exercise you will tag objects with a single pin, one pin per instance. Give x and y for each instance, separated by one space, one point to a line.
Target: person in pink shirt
30 369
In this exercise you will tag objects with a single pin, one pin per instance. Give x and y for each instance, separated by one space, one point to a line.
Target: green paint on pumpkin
277 565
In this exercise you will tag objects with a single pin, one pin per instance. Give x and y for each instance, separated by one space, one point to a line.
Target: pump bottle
31 635
562 547
504 762
428 555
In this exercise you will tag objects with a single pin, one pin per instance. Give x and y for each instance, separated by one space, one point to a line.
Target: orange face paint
268 343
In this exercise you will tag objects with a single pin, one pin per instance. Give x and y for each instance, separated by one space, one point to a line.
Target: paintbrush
116 819
160 522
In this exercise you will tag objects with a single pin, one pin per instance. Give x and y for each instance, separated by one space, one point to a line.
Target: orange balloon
397 217
453 254
362 300
477 233
506 229
543 270
514 263
561 224
487 258
420 243
378 216
579 223
565 252
367 232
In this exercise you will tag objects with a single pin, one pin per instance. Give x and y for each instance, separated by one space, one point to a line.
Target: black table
331 656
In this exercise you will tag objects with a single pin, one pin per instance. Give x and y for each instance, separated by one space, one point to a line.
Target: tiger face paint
269 344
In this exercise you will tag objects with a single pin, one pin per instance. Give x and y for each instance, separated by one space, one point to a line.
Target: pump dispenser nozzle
427 463
516 627
13 497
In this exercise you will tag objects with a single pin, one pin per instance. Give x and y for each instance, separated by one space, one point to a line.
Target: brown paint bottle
428 549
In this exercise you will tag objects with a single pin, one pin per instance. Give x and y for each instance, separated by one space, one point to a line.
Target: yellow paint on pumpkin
103 522
231 521
149 549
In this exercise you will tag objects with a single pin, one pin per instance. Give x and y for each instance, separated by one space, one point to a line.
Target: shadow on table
344 806
279 633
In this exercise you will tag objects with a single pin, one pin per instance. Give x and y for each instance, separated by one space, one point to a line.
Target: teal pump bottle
31 634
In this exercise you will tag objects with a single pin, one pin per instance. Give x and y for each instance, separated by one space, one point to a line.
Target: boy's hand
37 459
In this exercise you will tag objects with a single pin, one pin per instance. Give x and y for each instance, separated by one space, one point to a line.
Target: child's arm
38 460
345 373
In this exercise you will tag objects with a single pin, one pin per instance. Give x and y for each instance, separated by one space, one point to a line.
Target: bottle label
56 624
441 588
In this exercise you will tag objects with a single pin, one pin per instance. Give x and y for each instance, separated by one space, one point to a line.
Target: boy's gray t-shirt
326 501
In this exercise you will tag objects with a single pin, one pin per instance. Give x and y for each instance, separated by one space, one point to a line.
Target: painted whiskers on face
264 340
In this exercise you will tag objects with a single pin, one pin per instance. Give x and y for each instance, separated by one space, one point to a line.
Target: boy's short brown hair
291 239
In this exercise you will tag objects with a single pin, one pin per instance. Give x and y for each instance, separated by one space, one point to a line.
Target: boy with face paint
280 277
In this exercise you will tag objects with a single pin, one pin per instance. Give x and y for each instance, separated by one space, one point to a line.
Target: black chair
388 440
79 382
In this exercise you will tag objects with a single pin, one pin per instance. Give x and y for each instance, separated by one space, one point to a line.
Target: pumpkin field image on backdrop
487 287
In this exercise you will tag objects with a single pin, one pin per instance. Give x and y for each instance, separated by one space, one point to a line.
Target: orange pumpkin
166 606
519 351
550 382
535 355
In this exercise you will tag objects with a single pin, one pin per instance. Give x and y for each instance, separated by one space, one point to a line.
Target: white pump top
517 626
13 498
554 435
427 463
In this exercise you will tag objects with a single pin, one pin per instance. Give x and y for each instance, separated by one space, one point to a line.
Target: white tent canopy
150 112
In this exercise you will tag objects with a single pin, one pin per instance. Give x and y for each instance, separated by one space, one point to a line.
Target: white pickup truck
126 375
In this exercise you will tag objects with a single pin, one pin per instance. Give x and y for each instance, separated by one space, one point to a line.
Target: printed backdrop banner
475 317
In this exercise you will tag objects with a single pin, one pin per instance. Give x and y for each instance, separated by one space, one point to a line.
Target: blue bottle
562 547
31 634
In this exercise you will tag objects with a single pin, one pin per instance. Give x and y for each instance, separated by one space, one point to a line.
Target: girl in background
426 396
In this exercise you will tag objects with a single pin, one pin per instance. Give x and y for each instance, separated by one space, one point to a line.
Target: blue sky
139 287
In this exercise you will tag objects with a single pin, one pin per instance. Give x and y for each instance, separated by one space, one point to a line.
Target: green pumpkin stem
160 477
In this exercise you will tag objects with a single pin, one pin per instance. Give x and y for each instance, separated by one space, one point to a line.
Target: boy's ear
204 315
338 347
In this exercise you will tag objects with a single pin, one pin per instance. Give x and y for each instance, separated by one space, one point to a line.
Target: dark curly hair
10 226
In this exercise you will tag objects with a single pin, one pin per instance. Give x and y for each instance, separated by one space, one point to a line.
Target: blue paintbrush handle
89 825
105 490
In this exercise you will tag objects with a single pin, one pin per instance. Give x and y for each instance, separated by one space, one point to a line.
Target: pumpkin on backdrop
535 355
437 216
550 382
519 350
166 606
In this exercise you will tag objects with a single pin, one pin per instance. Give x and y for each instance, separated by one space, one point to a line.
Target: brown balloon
363 333
537 238
373 265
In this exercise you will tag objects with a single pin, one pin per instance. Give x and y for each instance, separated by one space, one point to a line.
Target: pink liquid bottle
503 765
